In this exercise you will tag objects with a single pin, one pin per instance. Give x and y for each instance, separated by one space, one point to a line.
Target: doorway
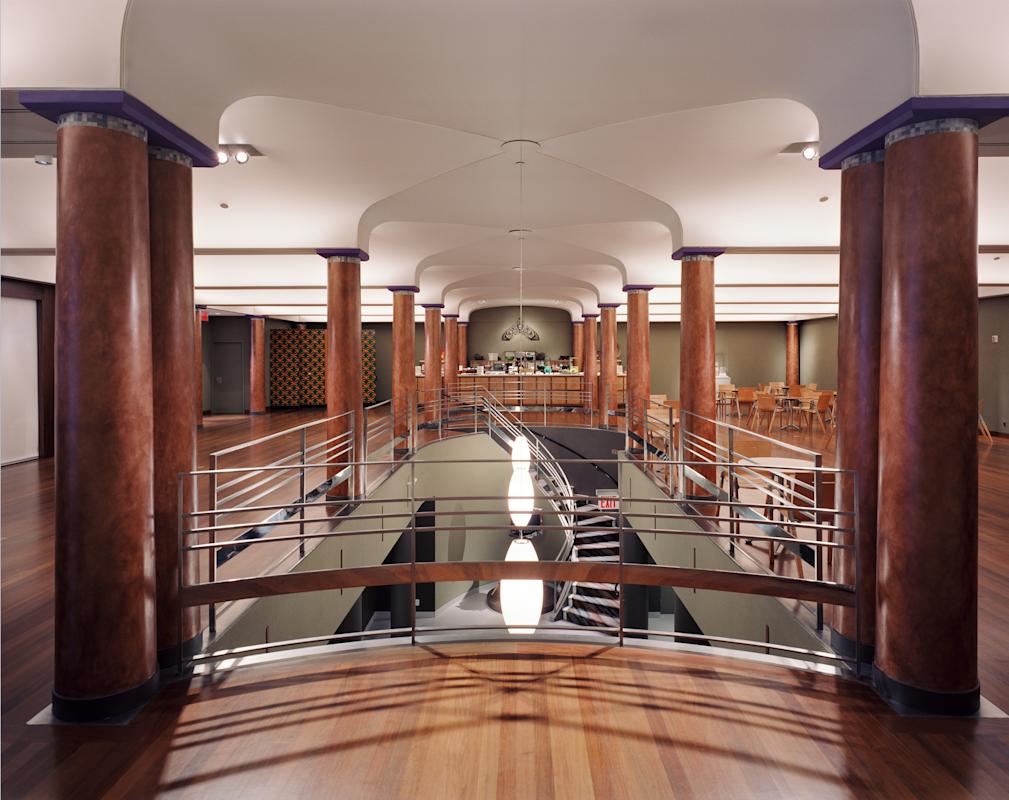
227 368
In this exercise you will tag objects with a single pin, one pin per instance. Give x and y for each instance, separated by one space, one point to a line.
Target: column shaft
578 342
198 366
791 353
105 638
257 366
926 637
432 356
607 396
591 368
697 356
343 367
858 389
174 389
638 361
451 352
463 345
403 379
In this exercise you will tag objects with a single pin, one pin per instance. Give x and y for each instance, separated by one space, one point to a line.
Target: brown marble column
257 366
105 634
606 399
463 344
791 353
578 342
926 635
198 355
170 182
858 389
697 353
451 351
432 384
589 349
343 363
403 371
638 360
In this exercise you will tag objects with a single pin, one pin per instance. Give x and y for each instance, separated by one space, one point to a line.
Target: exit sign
607 500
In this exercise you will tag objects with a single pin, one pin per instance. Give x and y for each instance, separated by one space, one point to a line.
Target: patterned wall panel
298 367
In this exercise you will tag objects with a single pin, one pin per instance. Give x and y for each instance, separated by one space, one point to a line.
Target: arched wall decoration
519 328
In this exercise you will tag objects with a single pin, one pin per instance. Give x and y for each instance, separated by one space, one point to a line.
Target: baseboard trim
95 709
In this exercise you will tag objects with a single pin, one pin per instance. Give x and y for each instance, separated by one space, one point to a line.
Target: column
578 342
432 356
403 372
926 636
638 361
607 395
463 344
257 366
343 365
697 353
590 379
858 328
170 183
791 353
105 644
198 365
451 351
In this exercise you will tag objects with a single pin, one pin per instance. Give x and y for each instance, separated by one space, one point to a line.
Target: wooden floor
491 720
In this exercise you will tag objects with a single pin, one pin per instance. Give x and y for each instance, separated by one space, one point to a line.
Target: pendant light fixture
521 600
520 328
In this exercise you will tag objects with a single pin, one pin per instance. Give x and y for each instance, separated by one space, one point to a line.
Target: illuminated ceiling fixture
223 157
519 328
241 156
809 152
521 454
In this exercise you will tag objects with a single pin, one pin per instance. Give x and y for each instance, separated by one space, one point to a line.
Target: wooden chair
745 397
766 405
982 426
811 387
723 403
816 406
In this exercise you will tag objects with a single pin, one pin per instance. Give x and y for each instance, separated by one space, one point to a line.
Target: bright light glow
809 152
520 498
241 156
520 454
222 157
521 600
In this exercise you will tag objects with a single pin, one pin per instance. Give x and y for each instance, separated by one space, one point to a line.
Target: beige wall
552 324
993 362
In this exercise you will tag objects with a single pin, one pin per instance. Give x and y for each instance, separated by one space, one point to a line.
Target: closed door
19 406
228 370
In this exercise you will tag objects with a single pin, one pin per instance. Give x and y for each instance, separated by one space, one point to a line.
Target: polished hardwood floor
509 720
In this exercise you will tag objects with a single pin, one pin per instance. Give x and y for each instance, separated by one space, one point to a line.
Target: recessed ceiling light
45 161
997 258
241 156
225 205
222 157
809 152
824 199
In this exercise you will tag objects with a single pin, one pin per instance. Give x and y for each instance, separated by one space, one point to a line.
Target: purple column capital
343 253
697 253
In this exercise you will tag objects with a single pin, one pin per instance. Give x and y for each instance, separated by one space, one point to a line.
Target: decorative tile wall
298 367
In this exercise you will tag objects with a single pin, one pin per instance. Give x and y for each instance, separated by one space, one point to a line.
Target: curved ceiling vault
382 127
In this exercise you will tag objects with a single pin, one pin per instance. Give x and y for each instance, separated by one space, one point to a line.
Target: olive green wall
993 362
818 352
753 352
487 324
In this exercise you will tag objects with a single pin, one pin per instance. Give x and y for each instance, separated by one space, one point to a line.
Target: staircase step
609 602
594 521
589 619
600 587
611 558
609 545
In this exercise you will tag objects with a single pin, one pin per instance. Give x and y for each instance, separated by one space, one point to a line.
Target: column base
169 657
845 646
907 699
95 709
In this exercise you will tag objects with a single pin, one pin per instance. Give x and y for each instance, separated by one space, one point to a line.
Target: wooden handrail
593 572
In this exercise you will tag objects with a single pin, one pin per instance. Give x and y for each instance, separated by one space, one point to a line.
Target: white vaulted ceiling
383 126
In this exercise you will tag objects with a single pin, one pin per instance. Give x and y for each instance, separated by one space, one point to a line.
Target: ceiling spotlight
241 156
809 152
224 205
824 199
45 161
222 157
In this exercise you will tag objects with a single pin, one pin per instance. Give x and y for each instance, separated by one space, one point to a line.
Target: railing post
413 553
302 491
212 552
438 409
682 455
181 572
364 455
817 496
671 455
620 549
730 473
856 530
